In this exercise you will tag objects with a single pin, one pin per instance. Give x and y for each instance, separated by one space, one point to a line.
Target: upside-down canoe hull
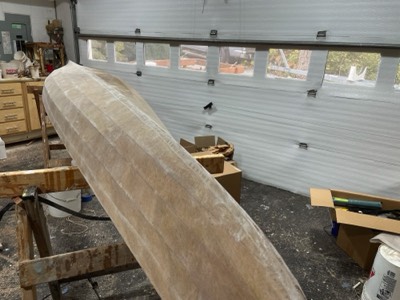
189 235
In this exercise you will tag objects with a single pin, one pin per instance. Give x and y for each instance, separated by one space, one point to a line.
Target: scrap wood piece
48 180
213 163
226 149
188 234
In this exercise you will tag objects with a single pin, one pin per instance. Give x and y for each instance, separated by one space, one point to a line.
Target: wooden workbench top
22 79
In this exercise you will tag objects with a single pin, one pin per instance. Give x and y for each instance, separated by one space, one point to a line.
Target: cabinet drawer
12 127
9 89
11 102
9 115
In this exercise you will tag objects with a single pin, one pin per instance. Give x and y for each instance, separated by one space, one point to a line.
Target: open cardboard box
201 143
357 229
230 176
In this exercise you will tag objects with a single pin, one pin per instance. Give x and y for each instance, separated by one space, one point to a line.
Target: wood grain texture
82 264
25 245
48 180
189 235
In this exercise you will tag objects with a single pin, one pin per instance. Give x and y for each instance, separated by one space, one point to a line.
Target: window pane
236 60
355 68
125 52
397 81
97 50
288 63
157 55
193 57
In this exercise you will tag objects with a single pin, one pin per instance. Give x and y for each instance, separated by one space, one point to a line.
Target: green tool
357 203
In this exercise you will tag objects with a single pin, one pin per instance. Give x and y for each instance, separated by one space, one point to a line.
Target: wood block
213 163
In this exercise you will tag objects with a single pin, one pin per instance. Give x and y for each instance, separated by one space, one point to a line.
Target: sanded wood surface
188 234
48 180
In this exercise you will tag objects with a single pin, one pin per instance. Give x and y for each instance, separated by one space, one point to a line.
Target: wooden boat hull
189 235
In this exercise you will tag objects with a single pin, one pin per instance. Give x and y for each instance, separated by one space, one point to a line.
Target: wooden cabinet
12 112
19 118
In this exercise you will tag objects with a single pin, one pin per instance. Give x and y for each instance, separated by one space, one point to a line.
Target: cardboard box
230 177
231 180
357 229
354 240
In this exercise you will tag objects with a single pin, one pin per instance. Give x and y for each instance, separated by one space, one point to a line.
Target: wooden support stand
31 222
49 162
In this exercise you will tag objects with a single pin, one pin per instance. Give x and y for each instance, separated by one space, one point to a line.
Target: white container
69 199
20 56
3 153
384 280
10 70
34 72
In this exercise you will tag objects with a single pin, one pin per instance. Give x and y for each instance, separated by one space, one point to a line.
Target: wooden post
25 245
40 231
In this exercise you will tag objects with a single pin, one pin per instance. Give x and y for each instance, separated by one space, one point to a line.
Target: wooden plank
25 246
57 146
59 162
13 183
79 264
213 163
188 234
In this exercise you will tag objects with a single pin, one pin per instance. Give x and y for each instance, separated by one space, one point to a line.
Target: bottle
2 149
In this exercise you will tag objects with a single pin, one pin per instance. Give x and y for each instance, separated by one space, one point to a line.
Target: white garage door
302 111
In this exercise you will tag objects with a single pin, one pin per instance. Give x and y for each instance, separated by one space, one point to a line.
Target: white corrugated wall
352 132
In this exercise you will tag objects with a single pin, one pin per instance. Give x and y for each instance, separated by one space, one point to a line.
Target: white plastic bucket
20 56
69 199
384 280
10 69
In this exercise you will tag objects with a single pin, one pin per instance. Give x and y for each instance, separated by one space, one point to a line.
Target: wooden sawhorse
31 222
49 162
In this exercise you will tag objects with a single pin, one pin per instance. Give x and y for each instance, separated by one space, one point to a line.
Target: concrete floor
299 232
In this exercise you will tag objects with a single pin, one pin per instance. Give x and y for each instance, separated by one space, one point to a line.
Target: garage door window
193 57
288 63
125 52
236 60
97 50
352 68
157 55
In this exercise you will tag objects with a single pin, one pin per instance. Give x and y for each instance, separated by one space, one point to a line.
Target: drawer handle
11 117
12 129
9 104
7 92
